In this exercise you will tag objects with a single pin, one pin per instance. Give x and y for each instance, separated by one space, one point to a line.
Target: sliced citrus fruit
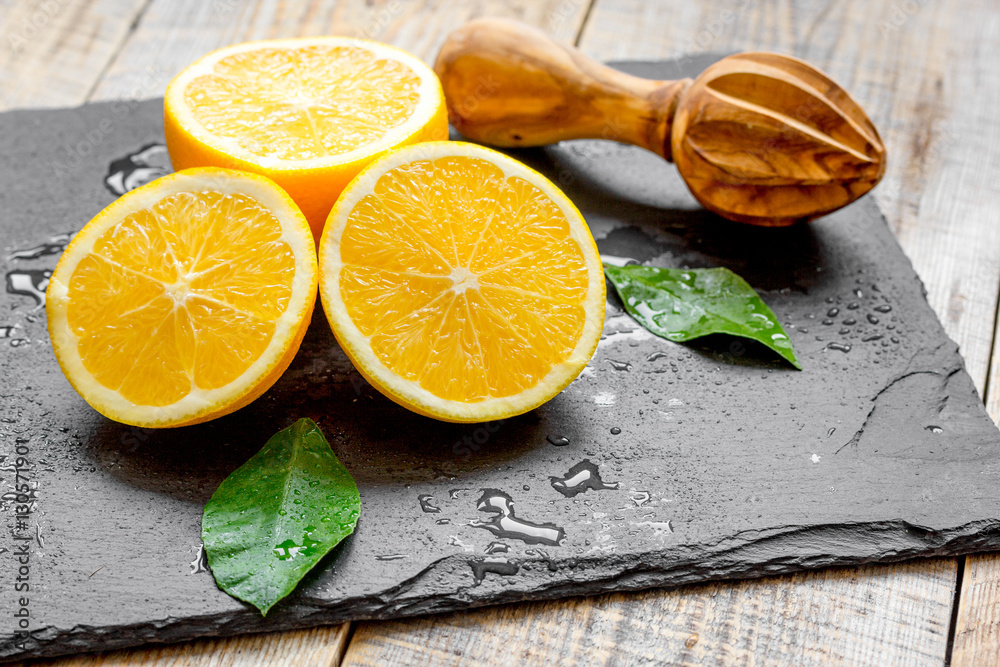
185 299
309 113
462 284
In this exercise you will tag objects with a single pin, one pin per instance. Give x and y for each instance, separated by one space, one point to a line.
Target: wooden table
927 72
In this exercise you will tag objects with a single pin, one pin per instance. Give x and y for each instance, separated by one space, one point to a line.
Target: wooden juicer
759 138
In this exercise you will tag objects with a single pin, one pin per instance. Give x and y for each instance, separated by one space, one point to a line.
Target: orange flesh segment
304 103
181 295
465 281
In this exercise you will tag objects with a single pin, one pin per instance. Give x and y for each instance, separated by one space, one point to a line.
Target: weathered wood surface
925 73
854 618
53 52
318 647
174 33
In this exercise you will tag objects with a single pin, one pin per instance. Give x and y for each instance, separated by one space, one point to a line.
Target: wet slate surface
662 464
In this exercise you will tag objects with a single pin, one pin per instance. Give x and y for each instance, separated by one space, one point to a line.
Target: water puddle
200 562
30 283
482 566
53 246
504 524
581 477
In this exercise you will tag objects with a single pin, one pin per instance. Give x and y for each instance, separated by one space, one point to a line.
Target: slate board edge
778 551
792 551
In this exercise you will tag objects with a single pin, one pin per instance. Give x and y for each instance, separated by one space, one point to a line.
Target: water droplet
840 347
854 305
858 293
640 498
505 524
581 477
894 339
828 321
30 283
830 432
615 430
619 365
833 312
872 318
884 308
657 526
691 641
200 562
289 550
844 331
871 337
426 505
391 557
497 548
557 440
934 429
442 522
482 566
850 321
656 355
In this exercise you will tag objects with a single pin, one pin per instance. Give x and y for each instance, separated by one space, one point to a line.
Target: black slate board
728 462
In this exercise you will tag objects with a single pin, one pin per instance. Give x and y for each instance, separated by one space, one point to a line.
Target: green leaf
277 515
682 304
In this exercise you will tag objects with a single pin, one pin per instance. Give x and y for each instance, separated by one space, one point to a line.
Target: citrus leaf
683 304
277 515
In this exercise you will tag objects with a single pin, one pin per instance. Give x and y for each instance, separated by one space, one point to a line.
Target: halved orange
309 113
462 284
185 299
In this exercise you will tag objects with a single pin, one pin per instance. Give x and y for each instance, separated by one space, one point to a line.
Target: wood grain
174 33
317 647
977 624
52 52
849 617
909 71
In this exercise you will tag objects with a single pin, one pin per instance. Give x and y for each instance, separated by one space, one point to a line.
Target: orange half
462 284
185 299
308 113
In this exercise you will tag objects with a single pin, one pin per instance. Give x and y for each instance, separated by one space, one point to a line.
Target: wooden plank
977 625
844 617
318 647
174 33
53 51
918 69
